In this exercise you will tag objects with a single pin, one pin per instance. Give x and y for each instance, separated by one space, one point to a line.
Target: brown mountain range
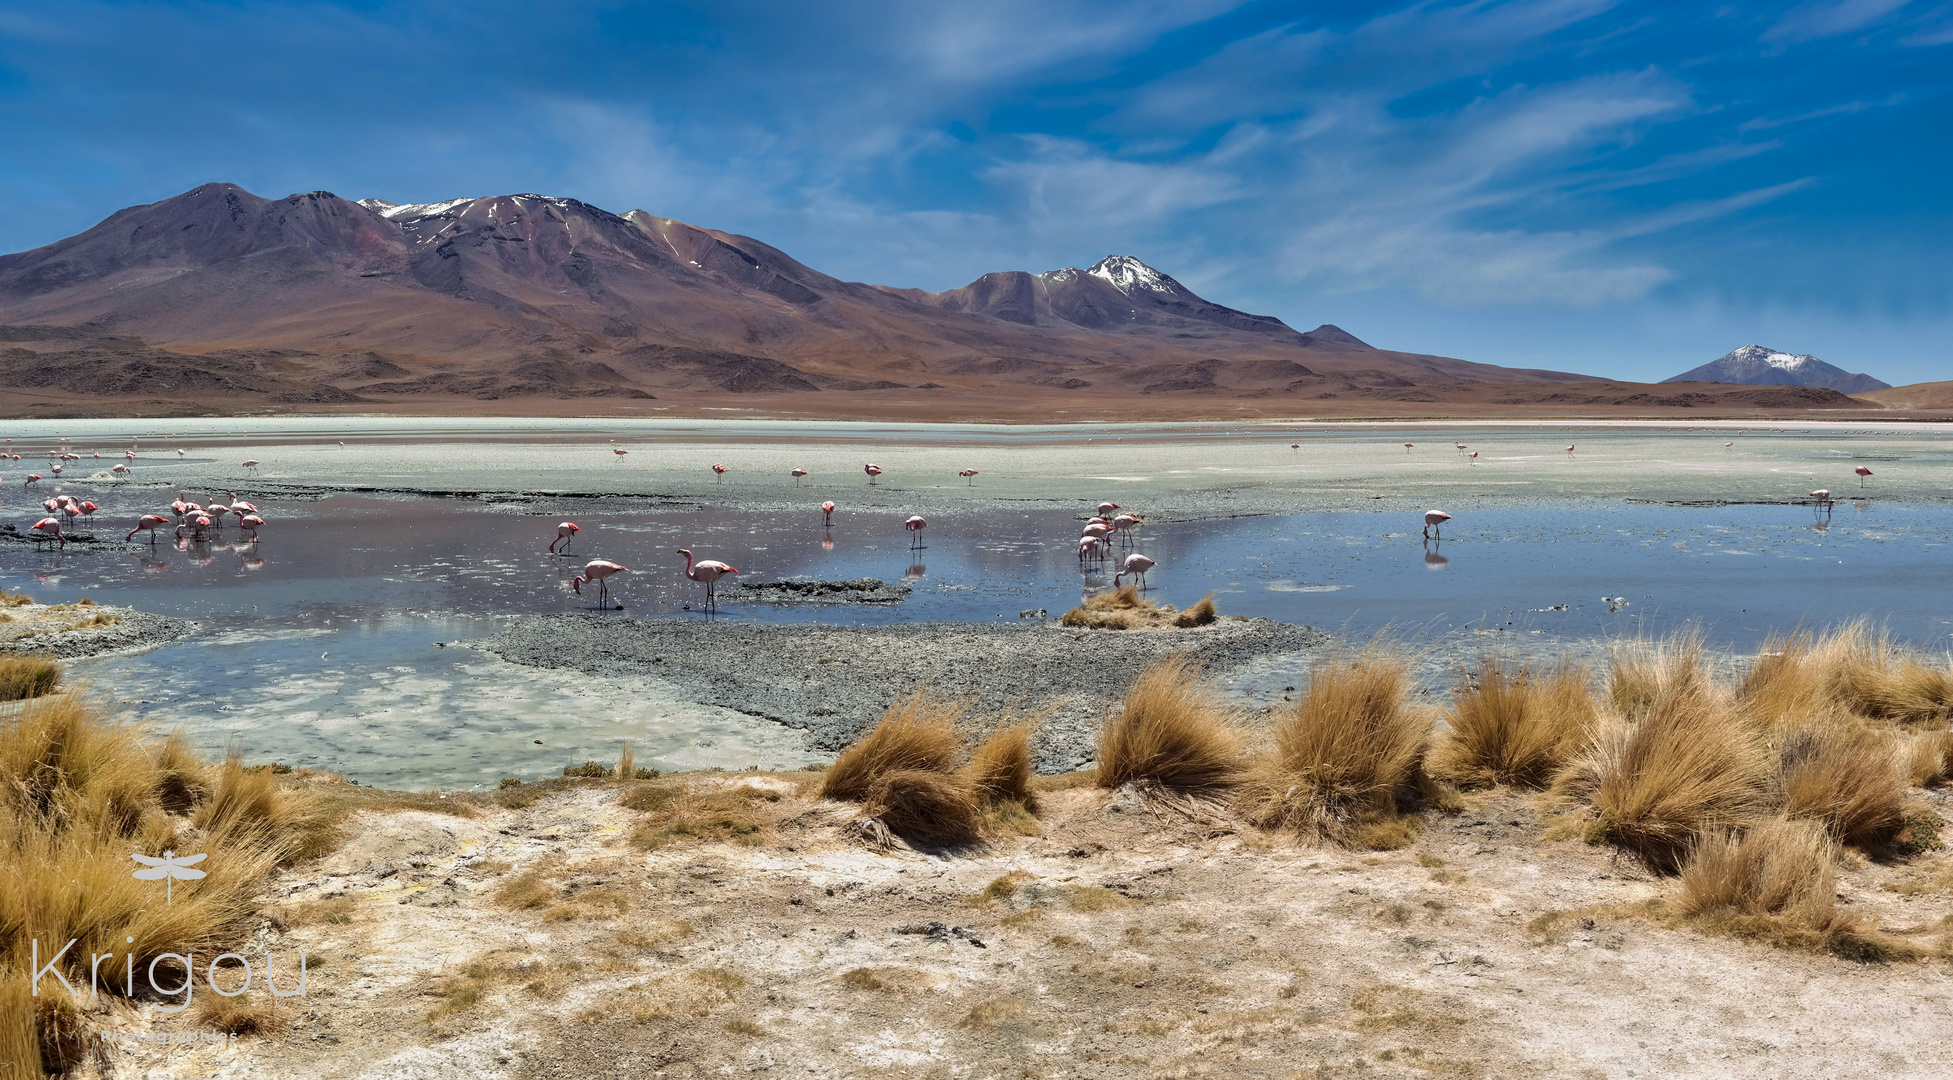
219 301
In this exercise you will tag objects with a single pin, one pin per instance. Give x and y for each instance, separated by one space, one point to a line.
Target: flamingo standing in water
915 525
597 570
873 470
251 463
827 514
708 571
250 523
1569 449
1435 519
968 474
1090 548
1862 472
1473 456
152 522
1136 565
797 474
619 451
564 534
32 478
1822 495
1106 508
1407 447
50 529
719 472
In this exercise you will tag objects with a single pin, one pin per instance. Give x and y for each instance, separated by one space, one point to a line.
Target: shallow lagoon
318 644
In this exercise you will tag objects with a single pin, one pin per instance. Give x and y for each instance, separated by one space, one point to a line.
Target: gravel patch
834 682
858 591
138 631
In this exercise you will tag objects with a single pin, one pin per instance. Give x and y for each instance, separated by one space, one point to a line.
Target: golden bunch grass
1775 867
1641 673
739 814
24 677
1000 766
77 794
1124 609
1847 780
1929 758
1852 668
926 806
919 732
1345 750
1684 763
1516 725
1200 614
1172 730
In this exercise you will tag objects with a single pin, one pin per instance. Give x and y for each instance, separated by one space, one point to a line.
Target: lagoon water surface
342 639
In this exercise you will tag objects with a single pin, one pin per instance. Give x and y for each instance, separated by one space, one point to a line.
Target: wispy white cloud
1829 18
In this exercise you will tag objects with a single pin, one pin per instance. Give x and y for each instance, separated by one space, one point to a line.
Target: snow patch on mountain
411 211
1127 274
1758 365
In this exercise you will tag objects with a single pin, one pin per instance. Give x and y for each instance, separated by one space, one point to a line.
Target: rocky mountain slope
321 298
1756 365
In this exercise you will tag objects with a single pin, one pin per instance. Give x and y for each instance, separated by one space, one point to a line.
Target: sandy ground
1131 938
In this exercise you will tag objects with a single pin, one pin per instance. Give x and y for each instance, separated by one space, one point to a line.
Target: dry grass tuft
926 806
78 793
1124 609
1344 752
1778 867
24 677
1000 767
1929 758
1516 726
1172 730
921 732
1848 781
1642 673
1684 764
992 1013
238 1015
1851 668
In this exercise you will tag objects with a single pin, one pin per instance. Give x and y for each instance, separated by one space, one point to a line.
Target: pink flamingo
1407 447
50 529
915 525
1474 457
249 463
968 474
873 470
1822 495
1090 547
827 514
708 571
619 451
1096 531
564 534
1862 472
250 523
1569 449
87 509
56 469
1296 446
719 472
797 474
1125 523
1136 565
1106 508
152 522
597 570
1435 519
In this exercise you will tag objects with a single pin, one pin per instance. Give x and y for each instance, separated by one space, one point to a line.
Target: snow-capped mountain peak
1759 365
411 211
1127 274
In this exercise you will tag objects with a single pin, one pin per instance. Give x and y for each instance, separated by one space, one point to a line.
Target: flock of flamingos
192 522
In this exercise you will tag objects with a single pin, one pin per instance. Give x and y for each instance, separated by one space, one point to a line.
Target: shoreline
834 682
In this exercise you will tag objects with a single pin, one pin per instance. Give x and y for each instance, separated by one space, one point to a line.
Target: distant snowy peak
1124 273
1758 365
411 211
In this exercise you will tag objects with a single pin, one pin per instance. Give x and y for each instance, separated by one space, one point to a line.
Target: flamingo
1097 531
87 509
565 533
1106 508
719 472
1862 472
873 470
1822 495
250 523
827 514
797 474
597 570
1474 457
1088 548
1407 447
1296 446
968 474
1125 523
709 571
1435 519
915 525
152 522
619 451
180 453
1136 565
56 468
1569 449
120 470
249 463
50 529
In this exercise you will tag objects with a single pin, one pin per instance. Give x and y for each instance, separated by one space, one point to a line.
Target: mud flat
71 631
834 681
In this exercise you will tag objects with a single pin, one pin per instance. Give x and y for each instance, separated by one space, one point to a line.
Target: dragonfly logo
169 869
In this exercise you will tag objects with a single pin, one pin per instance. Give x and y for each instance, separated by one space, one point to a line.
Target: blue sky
1618 188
